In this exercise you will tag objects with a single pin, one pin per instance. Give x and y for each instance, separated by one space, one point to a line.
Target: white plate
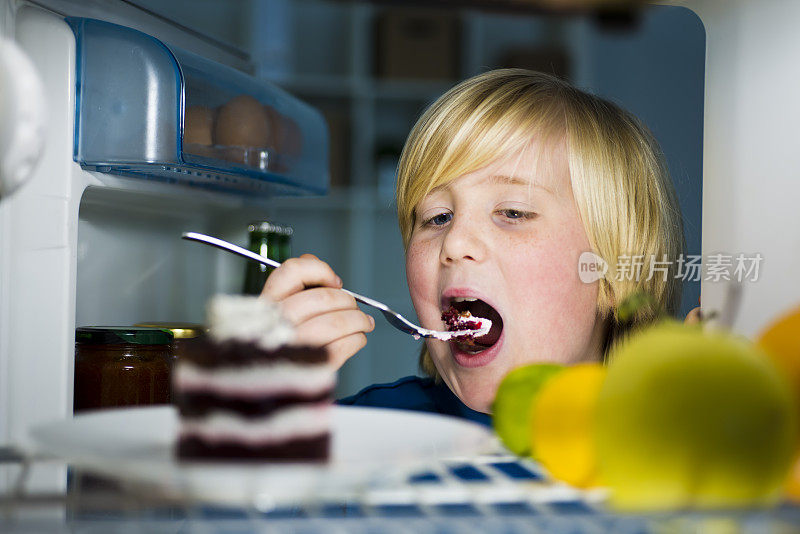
369 445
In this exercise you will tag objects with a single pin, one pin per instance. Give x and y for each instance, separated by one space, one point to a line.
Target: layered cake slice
244 394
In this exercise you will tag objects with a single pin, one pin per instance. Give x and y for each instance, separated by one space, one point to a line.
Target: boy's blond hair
620 182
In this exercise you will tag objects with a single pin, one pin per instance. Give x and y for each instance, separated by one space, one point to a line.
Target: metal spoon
394 318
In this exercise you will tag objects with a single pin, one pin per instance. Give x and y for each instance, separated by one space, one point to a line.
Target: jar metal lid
179 330
116 335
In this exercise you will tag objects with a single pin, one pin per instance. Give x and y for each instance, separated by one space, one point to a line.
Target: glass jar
121 366
182 334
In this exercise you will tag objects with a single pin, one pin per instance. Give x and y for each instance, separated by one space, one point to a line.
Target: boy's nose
462 242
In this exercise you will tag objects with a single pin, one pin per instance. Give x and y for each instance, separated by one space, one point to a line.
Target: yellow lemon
511 410
562 423
693 418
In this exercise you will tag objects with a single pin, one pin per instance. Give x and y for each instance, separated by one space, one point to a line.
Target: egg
292 137
198 125
275 120
243 122
288 136
287 141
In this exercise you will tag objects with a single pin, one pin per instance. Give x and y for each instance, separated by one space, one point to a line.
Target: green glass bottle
285 243
264 240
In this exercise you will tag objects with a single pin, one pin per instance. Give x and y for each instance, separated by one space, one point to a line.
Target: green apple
511 411
689 418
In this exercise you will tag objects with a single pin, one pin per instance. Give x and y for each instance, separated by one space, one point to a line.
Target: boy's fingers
304 305
297 274
327 328
694 316
342 349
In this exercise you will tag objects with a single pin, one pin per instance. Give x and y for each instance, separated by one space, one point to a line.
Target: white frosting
486 325
292 423
248 318
255 380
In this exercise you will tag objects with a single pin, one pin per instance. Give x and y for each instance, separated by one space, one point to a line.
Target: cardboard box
414 44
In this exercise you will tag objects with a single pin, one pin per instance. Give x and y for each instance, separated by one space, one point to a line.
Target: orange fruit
781 341
792 487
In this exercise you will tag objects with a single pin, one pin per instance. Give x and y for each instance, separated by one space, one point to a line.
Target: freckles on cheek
418 272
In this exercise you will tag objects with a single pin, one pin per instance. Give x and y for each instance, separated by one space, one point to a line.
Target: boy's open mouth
453 317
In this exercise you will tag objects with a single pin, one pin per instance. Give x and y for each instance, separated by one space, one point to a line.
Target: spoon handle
236 249
224 245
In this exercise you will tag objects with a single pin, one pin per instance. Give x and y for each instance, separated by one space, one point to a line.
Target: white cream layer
284 425
486 325
255 380
248 318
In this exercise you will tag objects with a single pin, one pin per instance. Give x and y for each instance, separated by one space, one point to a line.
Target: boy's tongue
489 339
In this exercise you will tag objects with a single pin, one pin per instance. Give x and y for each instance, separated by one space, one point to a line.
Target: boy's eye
438 220
512 213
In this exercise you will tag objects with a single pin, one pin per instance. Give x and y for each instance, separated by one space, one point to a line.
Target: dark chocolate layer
199 404
306 449
205 352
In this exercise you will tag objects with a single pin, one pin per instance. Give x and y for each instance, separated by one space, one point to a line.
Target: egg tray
150 110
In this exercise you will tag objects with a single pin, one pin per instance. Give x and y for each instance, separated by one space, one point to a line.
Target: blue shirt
417 394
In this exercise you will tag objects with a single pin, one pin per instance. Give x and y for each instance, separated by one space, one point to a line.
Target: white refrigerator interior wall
38 242
751 161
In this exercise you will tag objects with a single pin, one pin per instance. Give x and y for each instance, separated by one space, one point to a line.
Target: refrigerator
129 163
93 236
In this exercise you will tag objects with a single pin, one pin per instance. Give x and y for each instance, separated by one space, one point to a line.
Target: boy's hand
694 316
323 316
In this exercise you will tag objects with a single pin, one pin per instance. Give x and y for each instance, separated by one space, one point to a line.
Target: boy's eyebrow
516 180
501 179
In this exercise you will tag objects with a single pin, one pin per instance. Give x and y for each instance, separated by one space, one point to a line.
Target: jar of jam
121 366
